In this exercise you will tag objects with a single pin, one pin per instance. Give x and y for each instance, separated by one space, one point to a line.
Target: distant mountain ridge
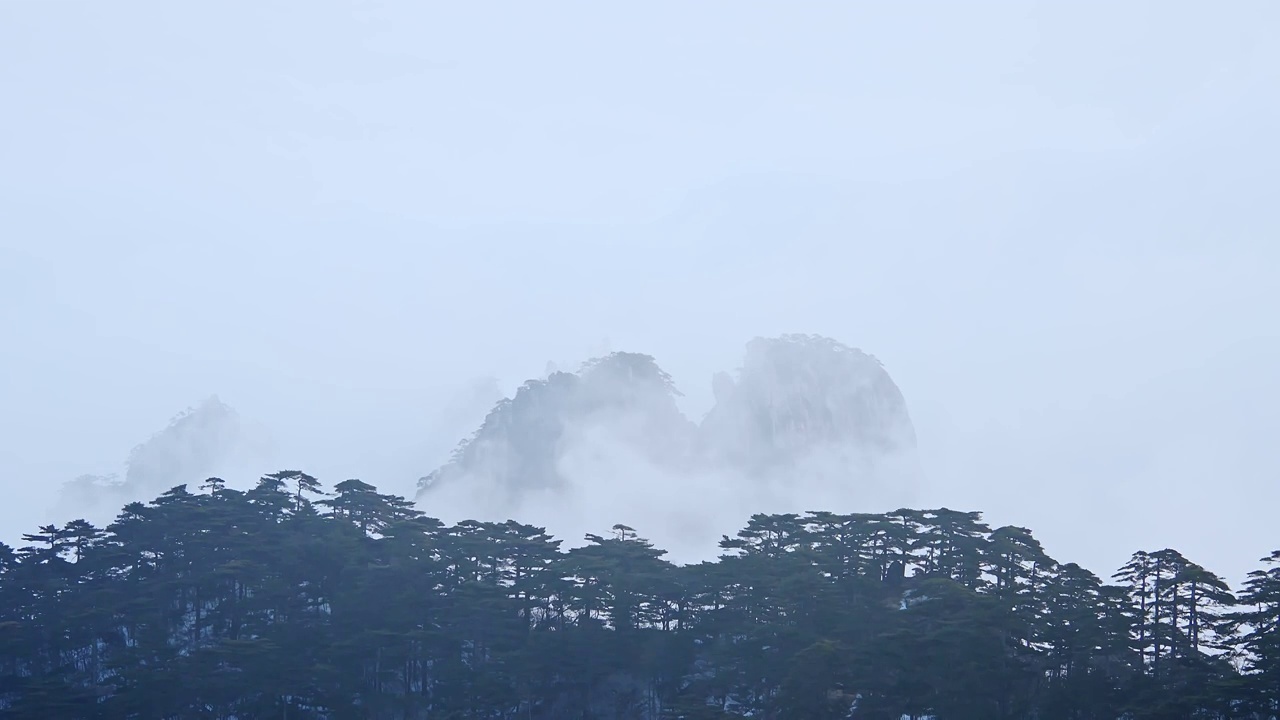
801 392
517 444
197 443
794 395
798 405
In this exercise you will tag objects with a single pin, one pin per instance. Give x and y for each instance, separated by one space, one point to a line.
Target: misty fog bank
806 423
1057 231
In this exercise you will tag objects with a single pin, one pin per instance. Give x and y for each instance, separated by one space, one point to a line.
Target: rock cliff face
197 444
794 396
194 446
798 394
518 446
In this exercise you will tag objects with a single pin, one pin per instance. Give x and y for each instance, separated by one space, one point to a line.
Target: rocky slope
794 396
519 444
196 444
798 394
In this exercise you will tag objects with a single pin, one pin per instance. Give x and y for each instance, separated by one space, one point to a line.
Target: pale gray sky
1054 222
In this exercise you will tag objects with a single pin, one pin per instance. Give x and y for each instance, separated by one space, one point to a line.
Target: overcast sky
1055 223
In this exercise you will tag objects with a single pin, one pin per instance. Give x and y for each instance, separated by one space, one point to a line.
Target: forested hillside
287 601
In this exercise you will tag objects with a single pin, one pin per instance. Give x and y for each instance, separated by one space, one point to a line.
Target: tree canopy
290 600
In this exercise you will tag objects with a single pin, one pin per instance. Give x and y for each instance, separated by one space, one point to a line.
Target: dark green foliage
265 604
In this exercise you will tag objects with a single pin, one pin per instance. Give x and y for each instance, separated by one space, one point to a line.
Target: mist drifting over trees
292 599
296 600
806 421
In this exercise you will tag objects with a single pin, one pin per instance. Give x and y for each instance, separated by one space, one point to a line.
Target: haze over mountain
1054 227
796 395
204 441
806 420
518 444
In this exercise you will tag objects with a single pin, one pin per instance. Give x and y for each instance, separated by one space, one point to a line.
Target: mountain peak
793 394
800 392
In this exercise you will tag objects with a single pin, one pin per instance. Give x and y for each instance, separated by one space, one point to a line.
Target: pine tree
252 604
1258 645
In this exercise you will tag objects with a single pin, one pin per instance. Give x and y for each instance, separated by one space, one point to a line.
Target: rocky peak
798 392
794 394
